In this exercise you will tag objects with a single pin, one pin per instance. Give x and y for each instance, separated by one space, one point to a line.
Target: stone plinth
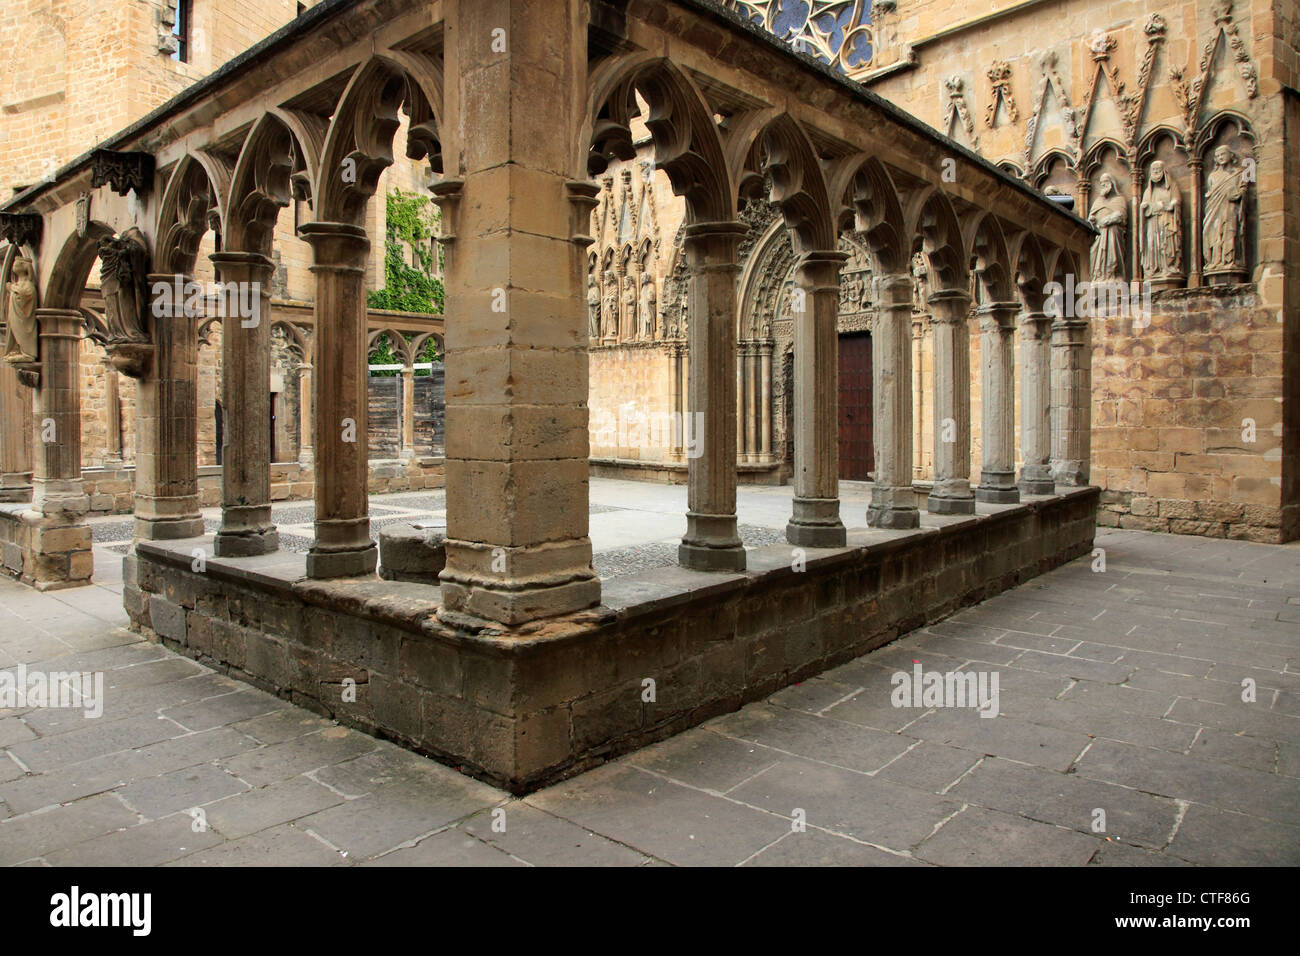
408 553
524 706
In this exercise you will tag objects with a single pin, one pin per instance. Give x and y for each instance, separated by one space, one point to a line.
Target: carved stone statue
1162 227
1223 238
629 306
124 267
920 282
593 307
1109 214
19 313
609 311
647 307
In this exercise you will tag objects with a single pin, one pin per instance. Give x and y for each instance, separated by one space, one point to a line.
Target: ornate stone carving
1050 80
999 75
1109 214
837 32
1162 227
957 107
122 172
124 267
18 314
628 324
647 308
593 307
21 228
920 282
1100 47
609 312
1225 28
1223 237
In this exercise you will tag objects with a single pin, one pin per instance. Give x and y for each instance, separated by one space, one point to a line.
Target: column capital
253 261
949 306
998 315
822 268
893 290
336 243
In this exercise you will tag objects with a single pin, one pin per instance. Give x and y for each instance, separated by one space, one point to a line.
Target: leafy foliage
412 224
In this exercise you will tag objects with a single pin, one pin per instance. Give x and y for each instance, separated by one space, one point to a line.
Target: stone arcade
517 664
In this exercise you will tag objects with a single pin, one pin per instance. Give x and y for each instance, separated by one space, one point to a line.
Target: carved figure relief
19 314
593 307
124 264
1162 226
647 306
1109 214
609 312
629 307
1223 236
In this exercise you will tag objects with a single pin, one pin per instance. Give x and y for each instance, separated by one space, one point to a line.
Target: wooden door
856 453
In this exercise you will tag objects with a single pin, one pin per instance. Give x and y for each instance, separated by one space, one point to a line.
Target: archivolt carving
261 187
359 145
183 218
798 186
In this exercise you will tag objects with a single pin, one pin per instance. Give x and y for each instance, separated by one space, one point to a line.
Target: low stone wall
675 473
1210 519
523 707
47 553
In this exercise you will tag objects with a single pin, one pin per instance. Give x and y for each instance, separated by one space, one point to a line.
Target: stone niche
525 707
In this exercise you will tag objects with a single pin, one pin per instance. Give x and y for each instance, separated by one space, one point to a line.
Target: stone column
15 437
246 524
61 553
166 427
1071 400
1036 404
816 518
741 349
517 365
342 547
918 396
675 351
112 416
893 503
765 384
751 402
304 415
998 404
408 412
951 493
1192 254
711 542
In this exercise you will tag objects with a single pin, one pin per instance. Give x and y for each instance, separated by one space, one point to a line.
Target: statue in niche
1109 214
609 312
647 307
1223 237
629 306
124 266
920 281
593 307
18 311
1162 226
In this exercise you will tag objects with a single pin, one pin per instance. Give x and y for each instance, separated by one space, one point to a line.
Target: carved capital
21 228
122 171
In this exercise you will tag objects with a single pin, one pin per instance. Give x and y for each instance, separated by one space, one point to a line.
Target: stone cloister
515 663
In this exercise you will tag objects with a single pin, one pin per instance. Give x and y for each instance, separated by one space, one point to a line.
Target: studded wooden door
856 453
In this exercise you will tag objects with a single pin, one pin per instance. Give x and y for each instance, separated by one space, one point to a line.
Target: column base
1069 472
950 506
711 543
246 544
168 529
893 517
512 607
1036 482
342 564
816 524
515 585
998 488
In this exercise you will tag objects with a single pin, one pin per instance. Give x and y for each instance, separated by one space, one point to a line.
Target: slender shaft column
751 402
679 406
1036 404
998 404
893 503
918 396
1193 253
951 493
166 425
517 365
246 524
740 402
816 518
60 553
765 381
711 542
342 547
15 437
304 415
408 412
1071 400
112 414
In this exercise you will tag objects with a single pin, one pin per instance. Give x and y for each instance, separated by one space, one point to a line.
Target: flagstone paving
1149 714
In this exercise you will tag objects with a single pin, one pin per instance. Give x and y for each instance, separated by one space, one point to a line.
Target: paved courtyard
1120 699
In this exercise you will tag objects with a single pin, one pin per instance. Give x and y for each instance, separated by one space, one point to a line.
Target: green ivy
412 223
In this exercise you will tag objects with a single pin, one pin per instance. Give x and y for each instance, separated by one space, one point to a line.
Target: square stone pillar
711 542
816 521
1071 400
893 502
951 493
166 426
60 545
246 524
998 403
516 354
342 546
1036 404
